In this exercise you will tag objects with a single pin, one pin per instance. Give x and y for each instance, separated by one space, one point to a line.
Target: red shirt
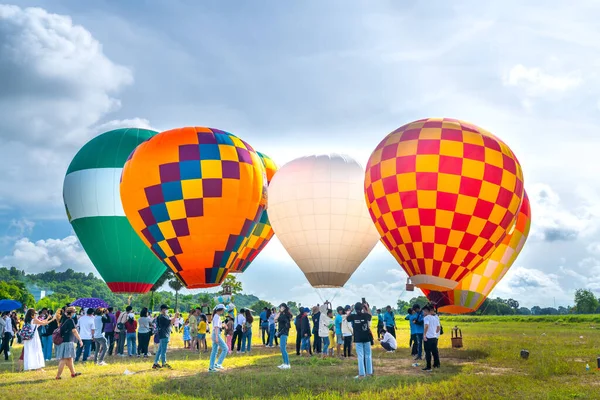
131 327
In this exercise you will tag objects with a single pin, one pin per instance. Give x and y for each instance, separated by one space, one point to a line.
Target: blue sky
301 78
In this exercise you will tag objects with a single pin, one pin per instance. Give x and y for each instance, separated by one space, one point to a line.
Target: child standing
229 332
202 333
186 334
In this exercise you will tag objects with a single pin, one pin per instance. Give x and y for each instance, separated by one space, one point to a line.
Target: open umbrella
89 302
9 305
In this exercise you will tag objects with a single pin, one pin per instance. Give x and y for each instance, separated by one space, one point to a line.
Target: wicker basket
409 286
457 341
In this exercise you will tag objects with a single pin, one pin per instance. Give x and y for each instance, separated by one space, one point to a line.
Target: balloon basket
457 338
409 286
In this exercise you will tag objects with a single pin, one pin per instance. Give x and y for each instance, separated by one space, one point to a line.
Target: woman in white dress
33 356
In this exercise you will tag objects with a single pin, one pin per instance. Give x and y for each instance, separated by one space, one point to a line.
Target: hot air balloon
261 231
474 288
443 194
317 210
193 194
93 204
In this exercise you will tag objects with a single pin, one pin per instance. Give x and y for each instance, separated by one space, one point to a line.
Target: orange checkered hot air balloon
261 232
443 194
193 194
476 287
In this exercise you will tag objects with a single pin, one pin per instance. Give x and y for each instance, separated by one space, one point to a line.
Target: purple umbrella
89 302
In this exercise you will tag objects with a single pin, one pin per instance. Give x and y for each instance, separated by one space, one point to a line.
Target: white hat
219 307
131 315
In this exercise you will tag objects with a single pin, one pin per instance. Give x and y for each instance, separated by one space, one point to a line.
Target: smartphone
364 301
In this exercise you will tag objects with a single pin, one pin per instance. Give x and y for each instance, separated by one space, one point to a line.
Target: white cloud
532 287
57 84
49 254
535 82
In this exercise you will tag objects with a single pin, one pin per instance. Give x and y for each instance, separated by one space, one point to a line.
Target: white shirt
432 322
388 338
240 320
216 322
86 324
346 326
8 327
324 321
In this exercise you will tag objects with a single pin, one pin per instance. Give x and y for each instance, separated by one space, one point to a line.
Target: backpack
419 320
57 338
27 332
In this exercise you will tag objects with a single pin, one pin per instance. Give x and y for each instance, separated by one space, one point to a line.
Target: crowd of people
321 330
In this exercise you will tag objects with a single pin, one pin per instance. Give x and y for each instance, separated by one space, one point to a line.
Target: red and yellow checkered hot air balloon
261 232
476 287
443 194
193 194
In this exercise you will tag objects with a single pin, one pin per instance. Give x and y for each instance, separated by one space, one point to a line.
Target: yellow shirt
202 328
331 337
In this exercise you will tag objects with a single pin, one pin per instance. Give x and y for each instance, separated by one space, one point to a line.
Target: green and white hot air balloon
93 203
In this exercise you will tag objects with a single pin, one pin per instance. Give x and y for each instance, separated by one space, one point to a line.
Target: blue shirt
263 317
418 329
388 319
338 324
410 318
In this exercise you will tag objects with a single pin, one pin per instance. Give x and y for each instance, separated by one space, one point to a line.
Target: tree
15 290
523 311
585 302
176 285
234 284
513 304
535 310
563 310
403 306
157 285
54 301
259 305
293 306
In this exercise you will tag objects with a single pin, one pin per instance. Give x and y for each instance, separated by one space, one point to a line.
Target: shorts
339 339
201 336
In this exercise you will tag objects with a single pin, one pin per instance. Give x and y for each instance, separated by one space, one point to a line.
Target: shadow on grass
307 377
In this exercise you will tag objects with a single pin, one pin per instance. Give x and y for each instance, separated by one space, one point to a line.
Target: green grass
488 367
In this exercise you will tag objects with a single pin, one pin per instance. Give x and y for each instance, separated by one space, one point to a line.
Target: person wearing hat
65 352
163 325
217 340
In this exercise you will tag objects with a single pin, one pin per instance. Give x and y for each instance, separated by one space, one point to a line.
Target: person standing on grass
264 325
305 333
380 330
338 330
361 325
86 332
110 323
122 331
325 318
240 322
186 334
99 339
272 315
47 337
412 343
247 336
316 315
193 320
389 321
66 350
418 323
33 356
284 323
347 332
217 340
131 329
229 332
430 338
202 329
144 332
163 326
388 342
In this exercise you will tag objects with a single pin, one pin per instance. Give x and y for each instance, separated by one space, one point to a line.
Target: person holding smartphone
363 338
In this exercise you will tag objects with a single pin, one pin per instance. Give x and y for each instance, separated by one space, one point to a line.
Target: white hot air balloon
317 210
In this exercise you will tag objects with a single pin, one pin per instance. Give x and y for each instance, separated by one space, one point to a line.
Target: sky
302 78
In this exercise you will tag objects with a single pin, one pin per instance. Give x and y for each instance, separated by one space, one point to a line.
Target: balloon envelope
476 287
442 193
192 194
317 210
93 205
261 231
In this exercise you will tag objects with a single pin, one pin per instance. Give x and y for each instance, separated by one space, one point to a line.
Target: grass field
488 367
